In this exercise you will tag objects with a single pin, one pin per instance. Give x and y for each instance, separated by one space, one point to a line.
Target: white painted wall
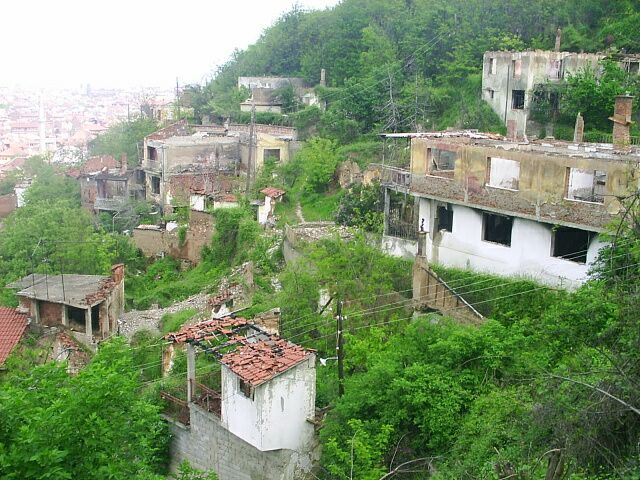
265 210
399 247
529 254
197 202
504 173
277 416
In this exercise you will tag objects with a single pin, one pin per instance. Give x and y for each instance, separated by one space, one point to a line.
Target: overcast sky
128 43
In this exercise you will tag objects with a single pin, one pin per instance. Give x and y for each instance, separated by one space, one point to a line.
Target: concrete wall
528 256
542 183
399 247
276 418
535 67
208 445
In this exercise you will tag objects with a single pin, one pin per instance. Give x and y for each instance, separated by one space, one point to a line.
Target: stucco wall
208 445
528 256
277 416
399 247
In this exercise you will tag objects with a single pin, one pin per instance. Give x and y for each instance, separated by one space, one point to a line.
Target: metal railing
175 408
207 398
395 176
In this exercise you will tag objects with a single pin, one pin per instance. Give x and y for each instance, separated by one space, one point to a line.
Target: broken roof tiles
208 328
220 299
258 362
12 326
272 192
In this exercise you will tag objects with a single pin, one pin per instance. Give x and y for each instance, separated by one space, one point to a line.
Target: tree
123 138
93 425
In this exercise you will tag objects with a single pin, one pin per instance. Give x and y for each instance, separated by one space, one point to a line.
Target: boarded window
272 154
516 68
441 161
517 99
497 228
492 66
503 173
444 219
586 185
247 389
571 244
155 185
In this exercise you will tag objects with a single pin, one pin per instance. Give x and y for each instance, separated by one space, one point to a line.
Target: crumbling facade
260 425
265 92
87 305
531 209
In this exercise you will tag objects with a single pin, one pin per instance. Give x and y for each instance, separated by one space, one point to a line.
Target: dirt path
136 320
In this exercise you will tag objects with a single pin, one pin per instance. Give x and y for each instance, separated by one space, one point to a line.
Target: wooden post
191 371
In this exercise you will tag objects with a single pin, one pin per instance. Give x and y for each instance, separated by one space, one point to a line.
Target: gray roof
67 289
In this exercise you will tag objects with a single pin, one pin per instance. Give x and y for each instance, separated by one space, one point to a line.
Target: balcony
208 399
175 408
395 177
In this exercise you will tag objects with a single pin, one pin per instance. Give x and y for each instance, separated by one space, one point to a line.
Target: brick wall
207 445
50 313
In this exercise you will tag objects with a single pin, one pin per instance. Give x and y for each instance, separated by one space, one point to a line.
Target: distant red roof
12 326
272 192
260 361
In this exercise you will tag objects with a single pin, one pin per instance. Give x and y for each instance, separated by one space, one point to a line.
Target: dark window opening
155 185
445 218
554 102
633 67
77 319
516 66
492 93
95 319
152 154
441 160
497 228
247 389
571 244
272 154
517 99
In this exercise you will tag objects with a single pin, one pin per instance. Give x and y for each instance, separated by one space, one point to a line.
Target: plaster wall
528 256
276 418
399 247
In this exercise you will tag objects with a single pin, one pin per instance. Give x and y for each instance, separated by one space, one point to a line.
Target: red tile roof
272 192
260 361
206 330
12 326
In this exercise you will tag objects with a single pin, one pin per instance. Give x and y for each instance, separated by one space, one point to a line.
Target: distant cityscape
62 122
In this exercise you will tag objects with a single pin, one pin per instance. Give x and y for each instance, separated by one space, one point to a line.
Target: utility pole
178 98
250 159
340 350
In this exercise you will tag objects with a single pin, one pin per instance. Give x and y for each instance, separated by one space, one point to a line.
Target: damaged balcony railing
395 177
175 408
207 398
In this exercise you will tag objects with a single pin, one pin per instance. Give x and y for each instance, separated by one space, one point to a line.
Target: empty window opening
95 319
517 99
497 228
272 154
77 318
247 389
586 185
555 69
444 219
516 68
633 67
503 173
155 184
441 162
152 154
492 66
571 244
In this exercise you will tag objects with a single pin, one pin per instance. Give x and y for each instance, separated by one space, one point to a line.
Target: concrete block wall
207 445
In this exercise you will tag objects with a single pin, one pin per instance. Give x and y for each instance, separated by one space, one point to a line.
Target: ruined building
259 425
486 203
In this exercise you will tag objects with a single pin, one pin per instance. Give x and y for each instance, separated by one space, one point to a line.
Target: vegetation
123 138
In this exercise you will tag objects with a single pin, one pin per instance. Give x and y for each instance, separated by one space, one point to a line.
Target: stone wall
207 445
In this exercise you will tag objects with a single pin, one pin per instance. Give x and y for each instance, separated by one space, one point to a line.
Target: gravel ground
136 320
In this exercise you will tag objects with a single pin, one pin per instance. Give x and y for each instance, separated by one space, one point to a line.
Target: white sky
128 43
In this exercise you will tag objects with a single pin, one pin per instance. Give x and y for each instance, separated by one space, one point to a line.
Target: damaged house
87 305
260 424
533 209
266 92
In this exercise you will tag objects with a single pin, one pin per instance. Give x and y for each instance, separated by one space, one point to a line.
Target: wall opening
444 218
442 163
77 319
402 221
632 67
555 69
95 319
516 67
517 99
272 154
571 243
497 228
503 173
492 93
155 184
152 154
247 389
586 185
492 66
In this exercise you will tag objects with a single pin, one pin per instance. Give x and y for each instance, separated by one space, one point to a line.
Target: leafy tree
319 160
93 425
123 138
362 206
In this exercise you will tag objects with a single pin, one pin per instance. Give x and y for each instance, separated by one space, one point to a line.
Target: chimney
558 39
323 78
622 120
578 132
